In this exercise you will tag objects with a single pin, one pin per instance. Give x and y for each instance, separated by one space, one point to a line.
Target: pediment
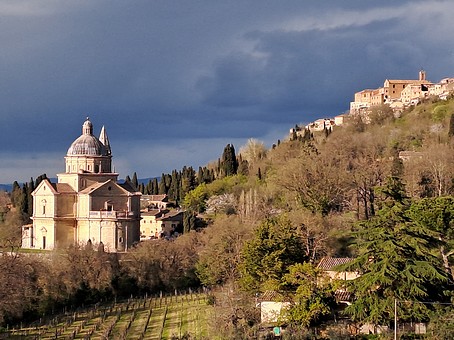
107 188
45 188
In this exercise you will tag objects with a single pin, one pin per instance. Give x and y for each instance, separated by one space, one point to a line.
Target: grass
153 318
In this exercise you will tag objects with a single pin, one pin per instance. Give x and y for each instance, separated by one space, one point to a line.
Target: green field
167 317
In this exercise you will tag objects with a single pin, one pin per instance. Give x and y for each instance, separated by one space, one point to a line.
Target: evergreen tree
30 188
135 180
310 298
229 163
451 126
200 175
189 221
188 181
174 186
24 206
39 179
16 194
266 258
141 188
162 185
154 187
396 261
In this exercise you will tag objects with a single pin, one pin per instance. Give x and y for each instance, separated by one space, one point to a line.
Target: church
87 205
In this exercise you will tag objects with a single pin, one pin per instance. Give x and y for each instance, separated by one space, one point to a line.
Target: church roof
63 188
87 144
92 188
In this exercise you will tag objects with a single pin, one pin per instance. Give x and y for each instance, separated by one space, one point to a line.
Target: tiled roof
153 212
155 198
172 215
63 188
328 263
271 295
92 187
407 81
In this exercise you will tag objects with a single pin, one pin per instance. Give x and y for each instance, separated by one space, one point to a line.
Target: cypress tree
162 185
229 163
154 187
451 126
15 194
30 188
200 176
189 221
39 179
135 181
24 206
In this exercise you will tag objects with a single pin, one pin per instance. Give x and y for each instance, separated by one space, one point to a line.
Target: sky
173 82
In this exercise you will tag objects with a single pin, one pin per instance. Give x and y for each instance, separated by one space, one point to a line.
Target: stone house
159 223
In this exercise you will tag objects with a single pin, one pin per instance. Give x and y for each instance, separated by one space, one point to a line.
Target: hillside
378 193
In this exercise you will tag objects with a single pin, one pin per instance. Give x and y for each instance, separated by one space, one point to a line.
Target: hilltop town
397 94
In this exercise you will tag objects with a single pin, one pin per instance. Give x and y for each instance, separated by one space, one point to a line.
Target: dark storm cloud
176 81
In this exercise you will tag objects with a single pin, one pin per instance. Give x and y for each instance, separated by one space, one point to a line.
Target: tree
10 230
318 182
229 163
311 298
253 151
396 261
380 114
451 126
164 265
266 258
189 221
135 181
164 184
18 285
29 190
195 200
437 214
220 257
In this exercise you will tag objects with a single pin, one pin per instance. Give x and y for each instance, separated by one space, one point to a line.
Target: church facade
87 205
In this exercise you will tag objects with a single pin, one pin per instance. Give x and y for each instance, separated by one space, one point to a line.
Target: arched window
109 206
43 205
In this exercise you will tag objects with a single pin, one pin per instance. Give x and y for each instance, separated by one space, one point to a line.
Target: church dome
87 144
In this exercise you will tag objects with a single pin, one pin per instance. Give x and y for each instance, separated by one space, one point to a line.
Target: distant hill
9 187
6 187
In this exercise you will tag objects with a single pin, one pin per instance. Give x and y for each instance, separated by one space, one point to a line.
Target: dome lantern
87 127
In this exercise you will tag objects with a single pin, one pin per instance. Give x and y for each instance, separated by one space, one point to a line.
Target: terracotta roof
329 263
155 198
63 188
408 81
153 212
272 295
172 215
92 187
